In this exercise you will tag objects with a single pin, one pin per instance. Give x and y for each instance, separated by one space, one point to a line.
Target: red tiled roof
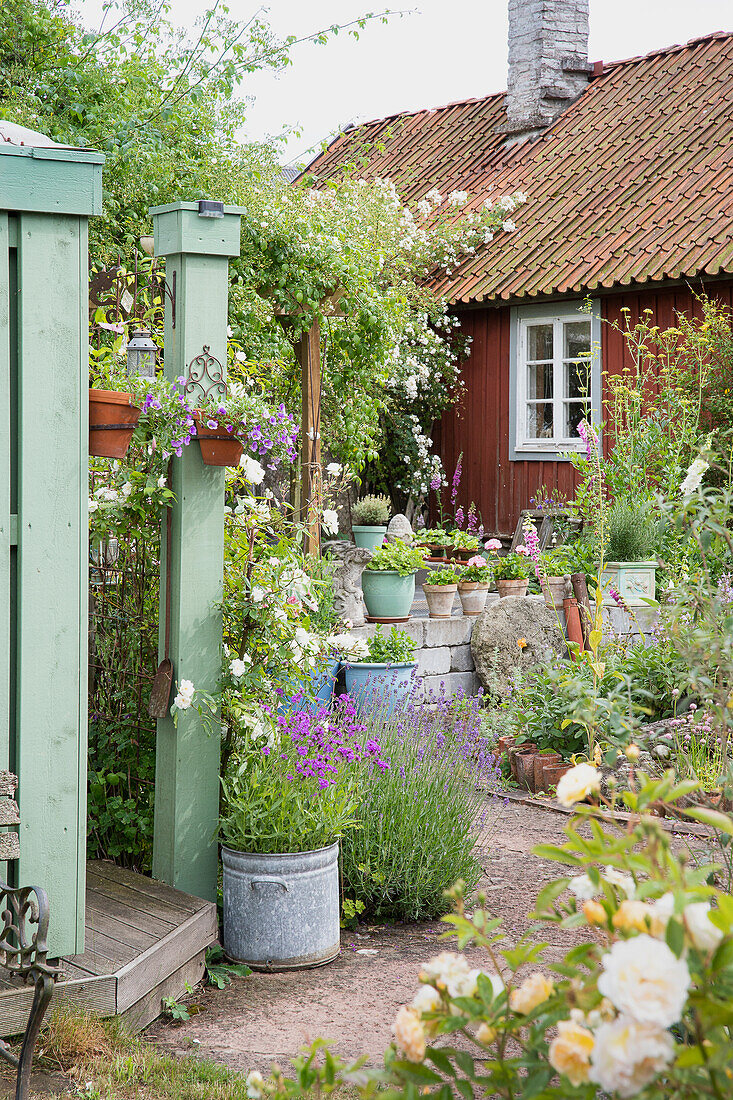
632 183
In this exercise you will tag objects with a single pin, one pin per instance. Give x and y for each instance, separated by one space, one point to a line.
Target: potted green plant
380 670
440 587
435 540
225 426
283 813
630 569
463 544
388 581
369 518
512 572
555 565
473 585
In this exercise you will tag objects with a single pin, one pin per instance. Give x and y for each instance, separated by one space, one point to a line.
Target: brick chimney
548 63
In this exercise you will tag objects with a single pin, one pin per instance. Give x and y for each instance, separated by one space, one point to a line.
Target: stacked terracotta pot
534 769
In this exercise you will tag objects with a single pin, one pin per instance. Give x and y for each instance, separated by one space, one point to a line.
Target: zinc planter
368 536
112 421
635 581
387 595
281 912
473 596
378 685
512 588
440 599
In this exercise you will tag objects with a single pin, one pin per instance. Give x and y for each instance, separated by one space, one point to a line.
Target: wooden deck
144 941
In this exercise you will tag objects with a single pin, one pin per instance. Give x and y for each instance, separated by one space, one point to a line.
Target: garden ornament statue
399 528
347 595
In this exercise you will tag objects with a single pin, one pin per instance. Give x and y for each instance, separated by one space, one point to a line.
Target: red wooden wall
479 425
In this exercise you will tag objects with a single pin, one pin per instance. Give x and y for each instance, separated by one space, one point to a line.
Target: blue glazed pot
388 595
369 537
322 681
379 685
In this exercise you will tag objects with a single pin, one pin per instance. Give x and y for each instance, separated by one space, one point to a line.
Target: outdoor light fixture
141 352
211 208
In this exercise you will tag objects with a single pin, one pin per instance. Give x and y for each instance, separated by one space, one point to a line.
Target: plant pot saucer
386 620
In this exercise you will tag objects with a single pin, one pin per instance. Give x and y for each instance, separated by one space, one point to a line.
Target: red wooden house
628 169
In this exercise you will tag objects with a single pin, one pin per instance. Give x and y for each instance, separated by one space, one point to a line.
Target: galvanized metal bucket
281 912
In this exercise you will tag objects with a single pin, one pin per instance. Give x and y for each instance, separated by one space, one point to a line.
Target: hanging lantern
141 352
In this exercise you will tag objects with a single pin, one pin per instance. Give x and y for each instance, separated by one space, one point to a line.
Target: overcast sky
439 51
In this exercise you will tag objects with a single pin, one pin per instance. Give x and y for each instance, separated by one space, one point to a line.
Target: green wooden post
196 251
46 196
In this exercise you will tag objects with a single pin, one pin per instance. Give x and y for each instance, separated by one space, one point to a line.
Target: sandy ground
352 1001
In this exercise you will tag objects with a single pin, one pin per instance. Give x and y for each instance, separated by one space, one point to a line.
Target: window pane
576 339
540 382
577 379
539 342
573 413
539 420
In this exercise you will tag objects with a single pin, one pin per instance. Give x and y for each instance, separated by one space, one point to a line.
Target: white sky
441 51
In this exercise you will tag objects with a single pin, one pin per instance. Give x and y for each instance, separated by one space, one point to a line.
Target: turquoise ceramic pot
368 537
323 680
387 595
379 685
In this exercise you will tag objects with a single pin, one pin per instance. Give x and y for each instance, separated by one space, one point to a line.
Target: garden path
353 1001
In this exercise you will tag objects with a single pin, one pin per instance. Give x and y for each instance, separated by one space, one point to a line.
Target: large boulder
514 633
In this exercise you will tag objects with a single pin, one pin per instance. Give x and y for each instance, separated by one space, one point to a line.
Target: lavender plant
419 821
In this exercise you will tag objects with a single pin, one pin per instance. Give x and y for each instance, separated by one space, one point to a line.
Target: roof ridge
663 50
425 110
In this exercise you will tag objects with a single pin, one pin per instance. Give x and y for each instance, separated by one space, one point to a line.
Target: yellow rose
486 1034
632 753
409 1033
634 916
577 784
570 1051
532 992
594 912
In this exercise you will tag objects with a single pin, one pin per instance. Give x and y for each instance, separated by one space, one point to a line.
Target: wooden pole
308 352
580 588
197 251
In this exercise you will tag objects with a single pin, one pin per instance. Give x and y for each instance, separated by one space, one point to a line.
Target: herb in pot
396 557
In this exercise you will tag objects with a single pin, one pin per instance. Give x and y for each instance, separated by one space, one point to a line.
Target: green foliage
371 511
397 557
442 577
462 540
418 821
219 971
480 573
397 647
512 567
632 530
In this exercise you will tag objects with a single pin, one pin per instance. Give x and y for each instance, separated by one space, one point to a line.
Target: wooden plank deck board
148 886
144 940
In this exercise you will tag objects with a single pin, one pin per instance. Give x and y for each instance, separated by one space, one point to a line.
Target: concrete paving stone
461 659
433 662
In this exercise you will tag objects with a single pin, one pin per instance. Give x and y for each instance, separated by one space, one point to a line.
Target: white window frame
558 314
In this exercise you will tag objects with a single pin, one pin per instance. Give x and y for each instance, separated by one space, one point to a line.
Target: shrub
372 511
396 557
419 820
397 647
632 531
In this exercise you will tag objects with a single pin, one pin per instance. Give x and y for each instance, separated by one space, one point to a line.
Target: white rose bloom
628 1055
93 505
645 980
333 469
238 666
452 972
330 521
126 489
508 226
617 878
426 999
582 888
184 698
255 1083
694 476
703 933
162 481
577 784
253 472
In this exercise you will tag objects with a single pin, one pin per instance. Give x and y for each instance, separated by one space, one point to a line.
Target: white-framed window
555 376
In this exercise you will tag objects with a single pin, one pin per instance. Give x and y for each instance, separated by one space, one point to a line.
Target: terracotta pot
465 555
541 760
525 769
572 621
112 420
440 598
553 773
437 550
513 588
553 589
503 744
473 596
218 446
515 750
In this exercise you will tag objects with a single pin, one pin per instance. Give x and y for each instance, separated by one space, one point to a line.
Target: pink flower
478 560
522 550
492 544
